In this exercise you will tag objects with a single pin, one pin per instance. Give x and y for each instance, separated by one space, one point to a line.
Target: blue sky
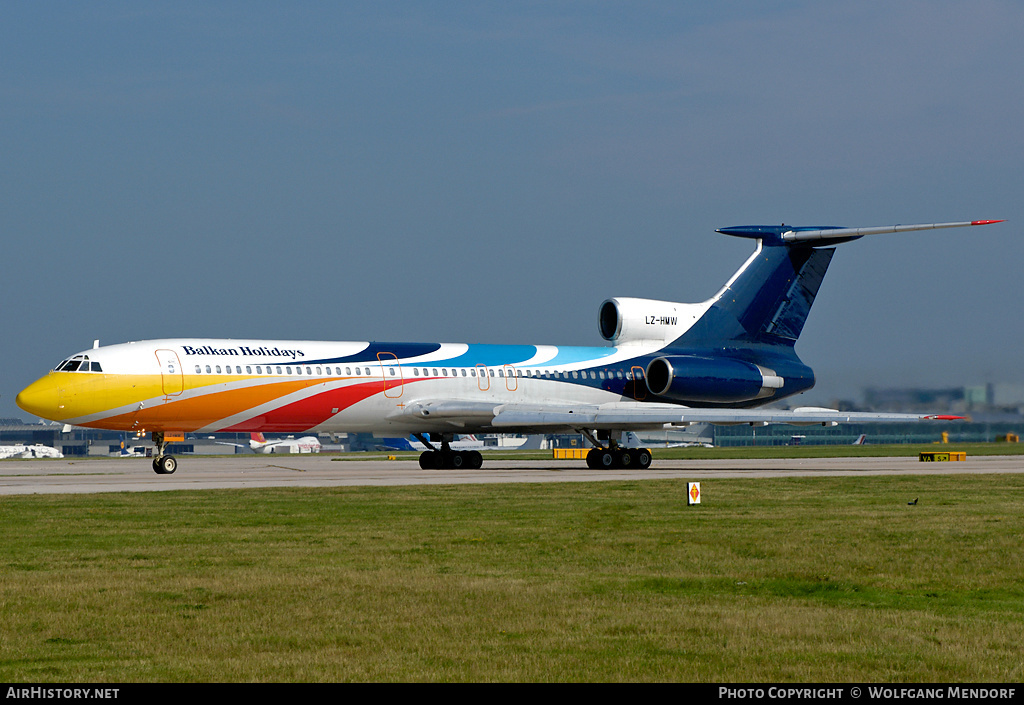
491 172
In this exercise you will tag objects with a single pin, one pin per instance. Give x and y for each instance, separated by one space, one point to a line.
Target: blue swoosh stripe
370 352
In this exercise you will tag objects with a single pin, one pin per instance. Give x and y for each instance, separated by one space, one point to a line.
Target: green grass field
832 579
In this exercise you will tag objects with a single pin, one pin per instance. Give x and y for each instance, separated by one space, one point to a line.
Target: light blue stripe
574 355
498 355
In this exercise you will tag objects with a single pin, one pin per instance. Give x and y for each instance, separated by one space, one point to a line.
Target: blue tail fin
741 348
768 300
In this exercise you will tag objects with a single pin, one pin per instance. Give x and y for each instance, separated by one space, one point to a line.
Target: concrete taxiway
70 476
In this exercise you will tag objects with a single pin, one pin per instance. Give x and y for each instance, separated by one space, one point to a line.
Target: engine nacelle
625 320
716 380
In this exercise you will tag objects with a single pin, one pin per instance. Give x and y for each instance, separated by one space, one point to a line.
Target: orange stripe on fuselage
206 405
200 411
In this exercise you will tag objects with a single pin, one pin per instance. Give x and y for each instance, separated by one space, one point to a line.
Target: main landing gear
447 459
615 456
608 458
162 464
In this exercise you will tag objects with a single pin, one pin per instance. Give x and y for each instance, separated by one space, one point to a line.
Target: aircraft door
391 373
511 378
171 374
482 380
639 384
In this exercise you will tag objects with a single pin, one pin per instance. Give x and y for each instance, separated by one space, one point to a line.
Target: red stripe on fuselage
306 413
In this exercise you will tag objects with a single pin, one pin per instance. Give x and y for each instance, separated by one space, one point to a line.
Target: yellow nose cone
41 398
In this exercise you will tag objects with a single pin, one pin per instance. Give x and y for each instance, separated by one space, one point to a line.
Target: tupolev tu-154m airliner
669 365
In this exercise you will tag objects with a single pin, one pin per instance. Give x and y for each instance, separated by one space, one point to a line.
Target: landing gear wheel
643 458
165 465
605 460
451 460
592 458
432 460
626 458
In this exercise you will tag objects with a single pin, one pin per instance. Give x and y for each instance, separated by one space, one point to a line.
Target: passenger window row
81 363
416 371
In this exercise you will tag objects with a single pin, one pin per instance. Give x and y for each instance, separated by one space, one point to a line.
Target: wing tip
986 222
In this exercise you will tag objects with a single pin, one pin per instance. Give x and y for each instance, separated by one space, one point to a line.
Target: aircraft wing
630 416
661 416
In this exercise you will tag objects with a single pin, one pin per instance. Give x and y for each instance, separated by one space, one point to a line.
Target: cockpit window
79 363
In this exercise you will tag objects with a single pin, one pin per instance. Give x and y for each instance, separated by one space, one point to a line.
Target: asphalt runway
80 476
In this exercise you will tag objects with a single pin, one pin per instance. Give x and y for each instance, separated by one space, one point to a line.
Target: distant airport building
1001 399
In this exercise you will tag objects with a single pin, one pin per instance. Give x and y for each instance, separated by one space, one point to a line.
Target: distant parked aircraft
259 444
21 450
467 442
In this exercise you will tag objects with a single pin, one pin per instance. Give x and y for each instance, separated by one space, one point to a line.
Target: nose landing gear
162 464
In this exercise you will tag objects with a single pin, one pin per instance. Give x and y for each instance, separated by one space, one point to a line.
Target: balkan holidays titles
262 351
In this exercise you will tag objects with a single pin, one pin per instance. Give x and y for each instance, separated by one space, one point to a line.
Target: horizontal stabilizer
829 234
